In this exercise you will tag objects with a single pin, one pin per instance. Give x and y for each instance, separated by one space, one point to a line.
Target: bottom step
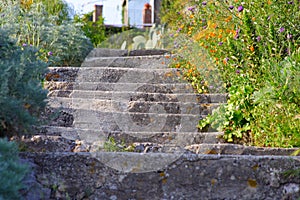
159 176
97 138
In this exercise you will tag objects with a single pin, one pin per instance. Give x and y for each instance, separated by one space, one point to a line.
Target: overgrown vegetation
253 49
12 172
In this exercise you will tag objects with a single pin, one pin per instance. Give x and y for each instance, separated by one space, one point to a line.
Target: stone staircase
132 99
133 104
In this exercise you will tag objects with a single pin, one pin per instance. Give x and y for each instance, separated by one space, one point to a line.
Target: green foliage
171 8
292 173
60 43
96 31
150 38
12 172
113 146
277 106
251 44
115 41
68 44
58 8
21 95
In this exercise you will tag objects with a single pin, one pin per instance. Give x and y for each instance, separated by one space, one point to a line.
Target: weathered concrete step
133 106
124 175
104 52
98 137
114 75
100 86
146 62
138 122
143 95
235 149
113 120
128 121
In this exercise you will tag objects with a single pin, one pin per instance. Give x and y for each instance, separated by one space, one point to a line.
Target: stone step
133 106
139 122
144 94
127 121
114 75
146 62
100 86
236 149
97 137
104 52
126 175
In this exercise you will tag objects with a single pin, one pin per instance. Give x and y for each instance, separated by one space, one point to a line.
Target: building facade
132 12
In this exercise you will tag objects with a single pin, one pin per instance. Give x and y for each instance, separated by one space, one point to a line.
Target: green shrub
21 95
64 41
68 44
96 31
12 172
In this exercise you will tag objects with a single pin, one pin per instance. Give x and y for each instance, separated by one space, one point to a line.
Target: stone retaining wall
192 176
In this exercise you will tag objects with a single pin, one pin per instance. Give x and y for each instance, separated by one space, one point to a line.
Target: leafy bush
61 43
248 43
21 95
66 43
96 31
12 171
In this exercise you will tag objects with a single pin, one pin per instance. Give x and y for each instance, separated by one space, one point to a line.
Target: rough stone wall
192 176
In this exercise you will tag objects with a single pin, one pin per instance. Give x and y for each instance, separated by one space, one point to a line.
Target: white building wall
135 11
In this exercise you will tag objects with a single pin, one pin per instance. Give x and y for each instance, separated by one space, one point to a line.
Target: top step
146 62
102 52
154 58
